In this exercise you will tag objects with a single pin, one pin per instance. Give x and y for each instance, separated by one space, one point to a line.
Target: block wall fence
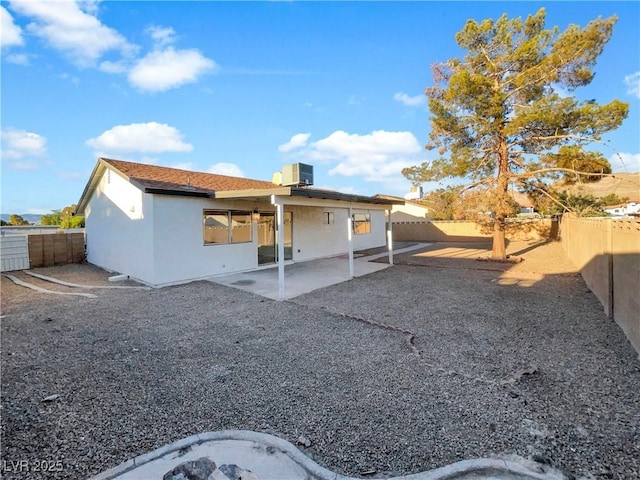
607 252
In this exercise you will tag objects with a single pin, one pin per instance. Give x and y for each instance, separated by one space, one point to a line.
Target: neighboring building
415 193
165 226
406 210
525 203
624 209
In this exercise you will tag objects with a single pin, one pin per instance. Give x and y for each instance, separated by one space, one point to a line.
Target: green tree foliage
53 218
72 222
456 203
613 199
582 205
442 203
3 223
15 220
497 118
549 201
63 218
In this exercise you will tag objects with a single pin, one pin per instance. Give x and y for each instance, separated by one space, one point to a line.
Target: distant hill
29 217
622 184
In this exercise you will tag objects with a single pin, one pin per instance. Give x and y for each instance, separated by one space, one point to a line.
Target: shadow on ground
502 367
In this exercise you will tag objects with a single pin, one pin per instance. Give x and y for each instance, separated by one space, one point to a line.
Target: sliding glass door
268 238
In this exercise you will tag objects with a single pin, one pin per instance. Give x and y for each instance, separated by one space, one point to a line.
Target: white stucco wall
312 238
409 212
378 236
180 253
119 228
158 239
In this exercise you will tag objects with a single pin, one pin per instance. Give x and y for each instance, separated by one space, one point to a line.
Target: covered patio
310 275
305 277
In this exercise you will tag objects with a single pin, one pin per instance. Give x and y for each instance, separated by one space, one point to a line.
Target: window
361 223
328 218
240 227
222 227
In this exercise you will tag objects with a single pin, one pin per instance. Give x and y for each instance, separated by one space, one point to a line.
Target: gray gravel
138 369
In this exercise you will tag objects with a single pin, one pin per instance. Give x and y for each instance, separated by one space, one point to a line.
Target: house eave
91 185
310 193
253 193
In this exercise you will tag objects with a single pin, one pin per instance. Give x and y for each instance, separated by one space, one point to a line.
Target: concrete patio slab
305 277
238 454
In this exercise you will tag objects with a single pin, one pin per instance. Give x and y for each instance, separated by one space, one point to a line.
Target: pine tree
498 119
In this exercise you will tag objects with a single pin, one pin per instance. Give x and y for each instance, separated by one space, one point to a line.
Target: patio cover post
280 240
350 242
390 237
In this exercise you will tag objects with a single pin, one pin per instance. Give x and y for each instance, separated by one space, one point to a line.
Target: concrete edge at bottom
481 468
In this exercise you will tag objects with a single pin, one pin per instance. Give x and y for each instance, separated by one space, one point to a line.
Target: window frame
366 221
229 214
328 218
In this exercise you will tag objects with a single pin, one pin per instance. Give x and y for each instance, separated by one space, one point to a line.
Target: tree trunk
498 250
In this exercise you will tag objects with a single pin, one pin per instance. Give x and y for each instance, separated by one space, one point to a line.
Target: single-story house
623 209
165 226
405 210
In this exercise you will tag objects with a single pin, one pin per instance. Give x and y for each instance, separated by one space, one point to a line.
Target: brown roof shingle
153 176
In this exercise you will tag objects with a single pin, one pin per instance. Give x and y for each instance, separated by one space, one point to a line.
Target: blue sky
242 88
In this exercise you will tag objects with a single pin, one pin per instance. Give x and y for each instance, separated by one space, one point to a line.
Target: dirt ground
509 359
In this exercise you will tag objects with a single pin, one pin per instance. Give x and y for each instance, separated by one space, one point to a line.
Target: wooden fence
56 249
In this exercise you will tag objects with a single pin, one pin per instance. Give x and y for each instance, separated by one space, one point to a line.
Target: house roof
173 181
156 177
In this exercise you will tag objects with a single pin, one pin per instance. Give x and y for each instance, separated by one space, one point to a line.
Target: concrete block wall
469 231
607 252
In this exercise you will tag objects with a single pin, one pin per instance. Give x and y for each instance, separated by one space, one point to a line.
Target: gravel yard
516 359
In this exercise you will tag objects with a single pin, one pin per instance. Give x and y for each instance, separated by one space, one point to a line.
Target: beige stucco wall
468 231
607 252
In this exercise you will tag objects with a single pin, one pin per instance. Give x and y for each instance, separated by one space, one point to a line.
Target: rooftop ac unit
297 174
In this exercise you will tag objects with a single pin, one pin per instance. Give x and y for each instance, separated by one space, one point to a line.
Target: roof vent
297 174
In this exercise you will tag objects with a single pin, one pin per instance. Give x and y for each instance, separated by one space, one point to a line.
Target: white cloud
18 144
170 68
17 58
633 84
625 162
68 28
113 67
24 165
10 33
410 101
377 157
229 169
151 137
161 35
297 141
